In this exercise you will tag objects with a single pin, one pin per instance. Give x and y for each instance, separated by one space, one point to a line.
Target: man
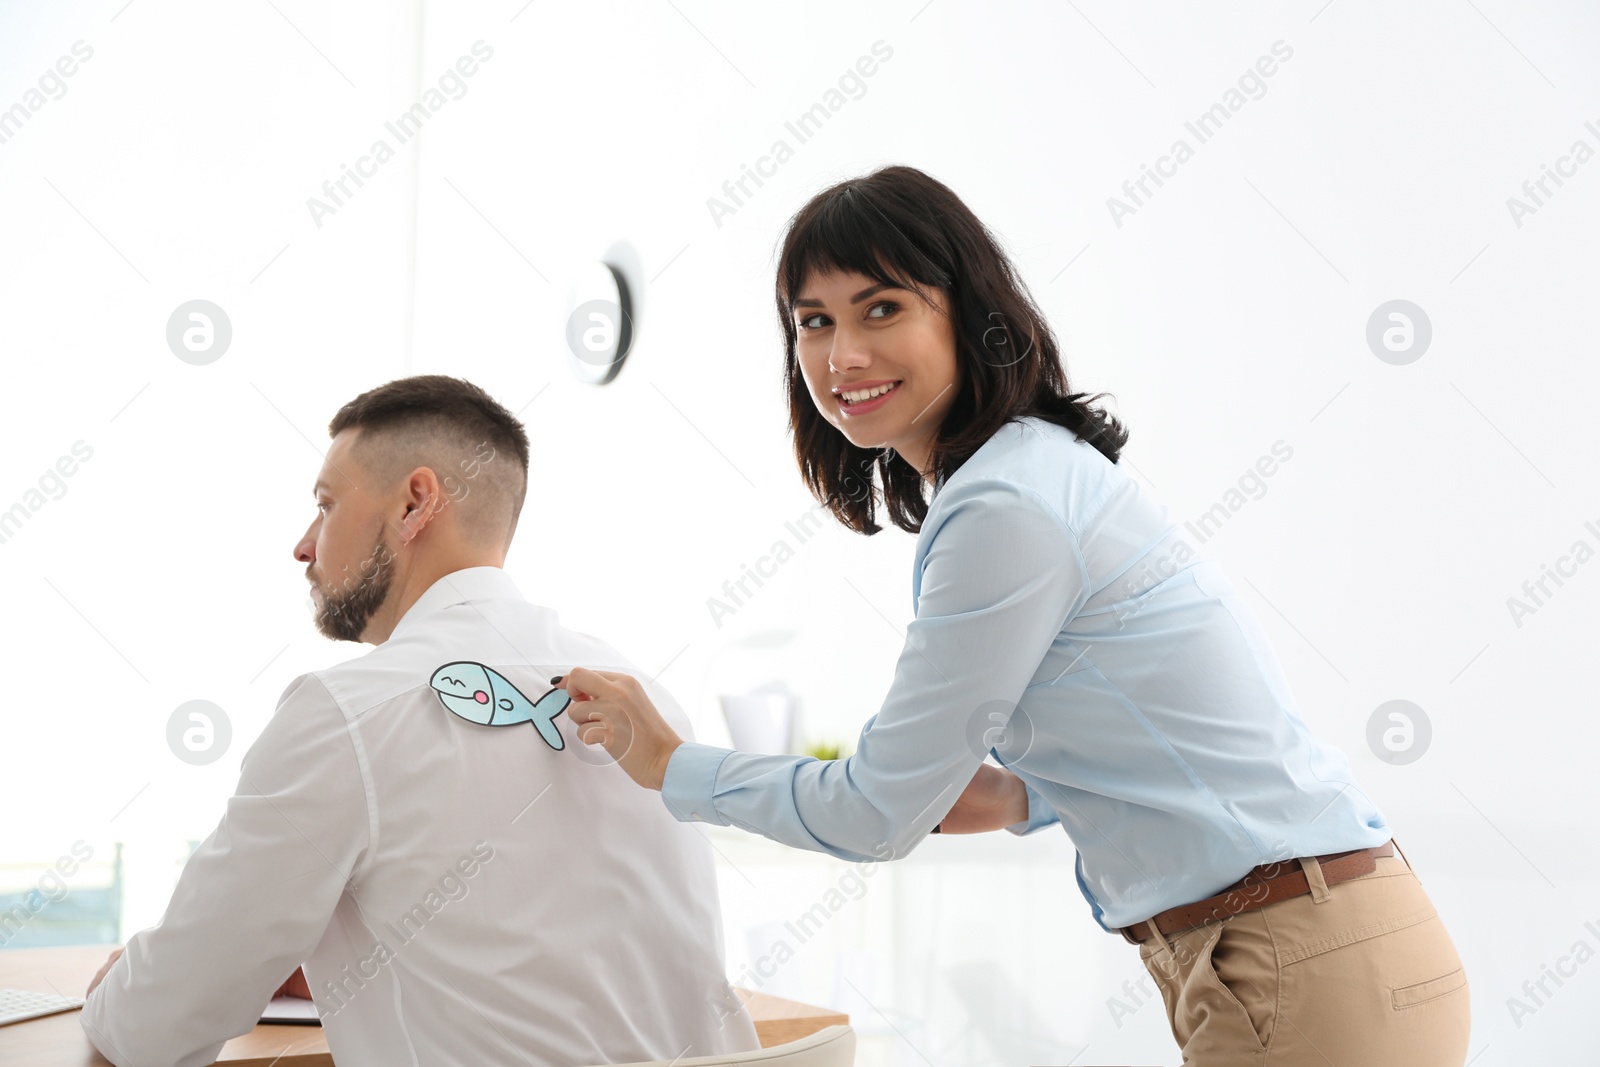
438 877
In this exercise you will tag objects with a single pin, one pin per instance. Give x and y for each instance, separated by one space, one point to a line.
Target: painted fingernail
557 679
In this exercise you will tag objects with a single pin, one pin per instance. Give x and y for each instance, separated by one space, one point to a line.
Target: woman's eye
809 318
893 307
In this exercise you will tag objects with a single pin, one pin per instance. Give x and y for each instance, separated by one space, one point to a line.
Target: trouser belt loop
1163 957
1319 885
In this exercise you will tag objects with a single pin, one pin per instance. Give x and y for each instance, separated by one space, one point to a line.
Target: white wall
1228 313
176 166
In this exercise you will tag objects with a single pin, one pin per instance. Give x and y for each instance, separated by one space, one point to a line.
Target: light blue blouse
1065 626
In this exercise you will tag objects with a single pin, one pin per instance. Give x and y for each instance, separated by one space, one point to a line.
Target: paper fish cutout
484 696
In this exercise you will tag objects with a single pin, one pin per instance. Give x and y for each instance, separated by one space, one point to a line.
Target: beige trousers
1360 974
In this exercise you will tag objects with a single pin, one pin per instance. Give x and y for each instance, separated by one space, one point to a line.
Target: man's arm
254 899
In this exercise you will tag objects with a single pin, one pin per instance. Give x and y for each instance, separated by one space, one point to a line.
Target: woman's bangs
849 235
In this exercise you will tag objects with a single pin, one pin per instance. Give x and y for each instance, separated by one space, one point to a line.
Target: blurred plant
822 750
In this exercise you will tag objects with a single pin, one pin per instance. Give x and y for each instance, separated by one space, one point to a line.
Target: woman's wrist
658 771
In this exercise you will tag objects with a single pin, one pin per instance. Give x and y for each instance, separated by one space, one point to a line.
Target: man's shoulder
305 690
525 642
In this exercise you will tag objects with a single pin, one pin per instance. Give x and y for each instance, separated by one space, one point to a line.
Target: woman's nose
849 352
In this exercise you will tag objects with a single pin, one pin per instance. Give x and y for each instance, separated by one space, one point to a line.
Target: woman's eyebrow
807 302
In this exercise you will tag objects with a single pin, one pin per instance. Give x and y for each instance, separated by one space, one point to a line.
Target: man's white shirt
457 893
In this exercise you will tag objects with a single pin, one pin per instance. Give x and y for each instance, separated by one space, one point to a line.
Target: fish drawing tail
545 711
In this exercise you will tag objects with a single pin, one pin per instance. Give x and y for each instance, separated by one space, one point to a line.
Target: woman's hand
993 800
612 710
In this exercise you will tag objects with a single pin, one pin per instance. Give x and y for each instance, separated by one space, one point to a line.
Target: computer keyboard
19 1004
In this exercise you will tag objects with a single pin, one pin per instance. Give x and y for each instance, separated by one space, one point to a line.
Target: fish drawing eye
453 681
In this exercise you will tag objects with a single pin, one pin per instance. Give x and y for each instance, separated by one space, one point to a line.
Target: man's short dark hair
445 423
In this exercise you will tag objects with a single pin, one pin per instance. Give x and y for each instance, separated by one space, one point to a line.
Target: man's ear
421 482
416 517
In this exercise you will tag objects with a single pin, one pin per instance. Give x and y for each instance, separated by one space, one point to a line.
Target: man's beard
344 615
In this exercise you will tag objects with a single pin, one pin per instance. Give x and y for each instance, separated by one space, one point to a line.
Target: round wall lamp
599 322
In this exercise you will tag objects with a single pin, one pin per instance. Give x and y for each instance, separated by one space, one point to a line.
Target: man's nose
306 550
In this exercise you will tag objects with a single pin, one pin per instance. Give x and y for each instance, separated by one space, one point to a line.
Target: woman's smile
857 399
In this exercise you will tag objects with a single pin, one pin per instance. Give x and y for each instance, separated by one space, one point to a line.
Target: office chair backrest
832 1046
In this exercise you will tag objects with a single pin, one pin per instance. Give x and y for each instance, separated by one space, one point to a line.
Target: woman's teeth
855 396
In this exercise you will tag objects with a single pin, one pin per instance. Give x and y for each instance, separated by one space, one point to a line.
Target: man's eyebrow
320 488
806 302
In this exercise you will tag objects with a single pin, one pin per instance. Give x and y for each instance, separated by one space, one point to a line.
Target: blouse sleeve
1040 814
1001 576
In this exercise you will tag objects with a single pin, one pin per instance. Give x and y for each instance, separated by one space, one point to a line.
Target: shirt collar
459 587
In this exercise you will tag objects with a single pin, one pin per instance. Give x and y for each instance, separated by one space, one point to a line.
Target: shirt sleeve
1041 813
253 900
1001 576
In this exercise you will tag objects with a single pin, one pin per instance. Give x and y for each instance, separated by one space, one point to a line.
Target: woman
1065 628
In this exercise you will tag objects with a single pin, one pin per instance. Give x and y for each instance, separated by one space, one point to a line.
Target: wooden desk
58 1040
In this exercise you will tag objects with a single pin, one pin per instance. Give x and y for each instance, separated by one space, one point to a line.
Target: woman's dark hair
900 227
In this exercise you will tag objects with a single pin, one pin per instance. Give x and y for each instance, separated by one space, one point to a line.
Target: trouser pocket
1411 996
1220 985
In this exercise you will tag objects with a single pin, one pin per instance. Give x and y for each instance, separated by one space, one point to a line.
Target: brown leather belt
1263 885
